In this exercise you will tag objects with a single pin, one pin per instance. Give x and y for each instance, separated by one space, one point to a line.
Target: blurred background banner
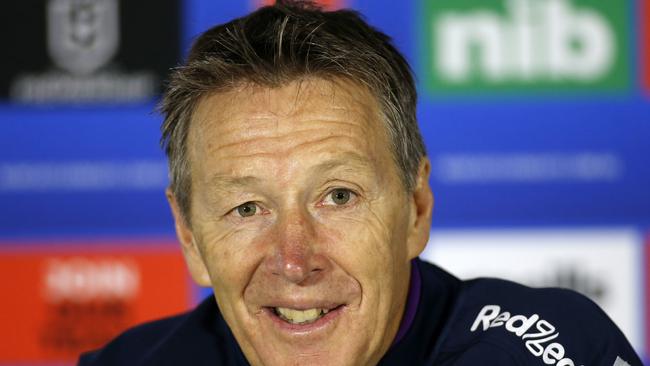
536 116
63 297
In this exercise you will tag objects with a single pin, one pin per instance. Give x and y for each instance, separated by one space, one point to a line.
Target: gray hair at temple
281 43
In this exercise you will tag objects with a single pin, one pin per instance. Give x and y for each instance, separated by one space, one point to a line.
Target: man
299 187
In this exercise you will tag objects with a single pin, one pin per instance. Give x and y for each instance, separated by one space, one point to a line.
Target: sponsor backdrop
536 115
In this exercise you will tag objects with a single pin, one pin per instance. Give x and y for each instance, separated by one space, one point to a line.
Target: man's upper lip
305 304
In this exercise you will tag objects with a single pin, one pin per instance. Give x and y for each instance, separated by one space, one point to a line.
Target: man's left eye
339 196
247 209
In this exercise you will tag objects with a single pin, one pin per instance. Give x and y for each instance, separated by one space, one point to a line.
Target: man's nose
296 255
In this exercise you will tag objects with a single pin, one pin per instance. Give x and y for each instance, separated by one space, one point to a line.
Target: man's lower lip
322 322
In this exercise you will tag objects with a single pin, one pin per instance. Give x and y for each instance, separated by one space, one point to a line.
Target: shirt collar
412 300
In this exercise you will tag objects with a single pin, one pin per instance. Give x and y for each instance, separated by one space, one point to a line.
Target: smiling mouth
301 317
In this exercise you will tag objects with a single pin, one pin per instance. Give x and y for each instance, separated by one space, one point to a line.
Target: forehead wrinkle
344 99
280 137
284 166
347 160
339 96
228 184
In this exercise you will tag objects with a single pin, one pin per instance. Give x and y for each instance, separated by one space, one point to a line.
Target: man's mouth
300 317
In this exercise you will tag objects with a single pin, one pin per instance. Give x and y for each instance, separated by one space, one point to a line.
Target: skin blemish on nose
295 272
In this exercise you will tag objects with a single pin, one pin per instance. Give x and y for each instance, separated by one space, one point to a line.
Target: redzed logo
327 4
538 331
60 300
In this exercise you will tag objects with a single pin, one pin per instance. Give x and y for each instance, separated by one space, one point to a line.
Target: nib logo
524 44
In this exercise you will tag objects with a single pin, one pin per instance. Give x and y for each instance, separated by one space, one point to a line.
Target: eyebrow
350 161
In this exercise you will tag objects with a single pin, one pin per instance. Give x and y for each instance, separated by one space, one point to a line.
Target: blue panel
55 146
617 128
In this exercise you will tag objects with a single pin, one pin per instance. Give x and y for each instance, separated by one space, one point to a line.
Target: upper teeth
300 316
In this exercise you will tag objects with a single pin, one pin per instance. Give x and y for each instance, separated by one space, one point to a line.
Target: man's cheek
228 254
364 239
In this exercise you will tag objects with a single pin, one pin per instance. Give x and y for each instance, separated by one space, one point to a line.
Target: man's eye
247 209
340 196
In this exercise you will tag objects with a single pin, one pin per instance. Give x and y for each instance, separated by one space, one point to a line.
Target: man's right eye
247 209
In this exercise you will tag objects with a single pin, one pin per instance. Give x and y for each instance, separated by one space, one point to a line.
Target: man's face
300 221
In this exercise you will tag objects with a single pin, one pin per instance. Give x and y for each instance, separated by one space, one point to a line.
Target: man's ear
421 208
191 252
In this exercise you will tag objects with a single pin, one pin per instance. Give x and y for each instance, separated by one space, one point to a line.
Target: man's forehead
316 128
249 103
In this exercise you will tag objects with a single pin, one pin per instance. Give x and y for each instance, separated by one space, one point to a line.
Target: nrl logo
82 35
